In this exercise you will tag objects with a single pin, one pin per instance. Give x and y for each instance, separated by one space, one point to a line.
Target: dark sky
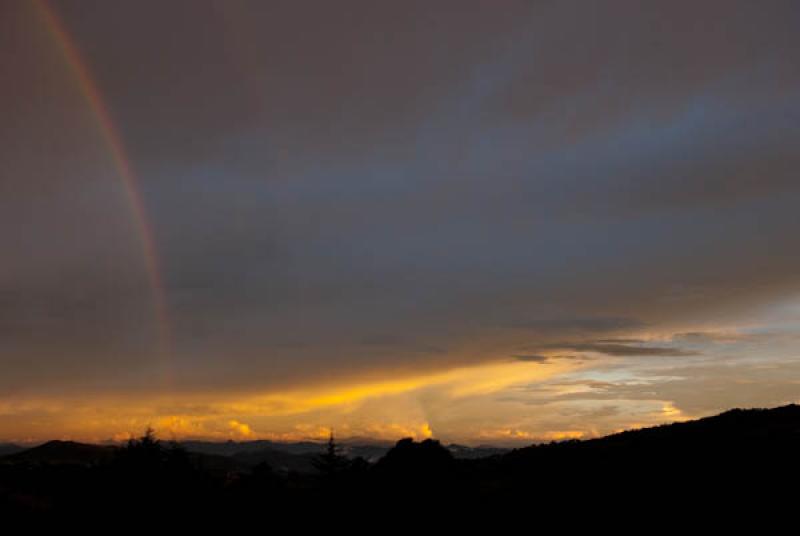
486 221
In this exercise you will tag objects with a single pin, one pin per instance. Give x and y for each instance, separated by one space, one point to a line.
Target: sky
484 222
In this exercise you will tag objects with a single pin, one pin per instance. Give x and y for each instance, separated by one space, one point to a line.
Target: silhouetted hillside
62 452
733 430
278 460
781 423
265 450
741 457
9 448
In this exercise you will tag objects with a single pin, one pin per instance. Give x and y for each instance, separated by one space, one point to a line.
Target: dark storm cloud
700 337
532 358
460 176
615 349
578 324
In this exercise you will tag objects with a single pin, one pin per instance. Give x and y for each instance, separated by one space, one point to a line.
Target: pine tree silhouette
331 462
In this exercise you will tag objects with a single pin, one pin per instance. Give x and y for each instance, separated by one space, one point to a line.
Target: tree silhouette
143 453
331 463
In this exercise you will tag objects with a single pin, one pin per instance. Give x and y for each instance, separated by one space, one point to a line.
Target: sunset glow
485 223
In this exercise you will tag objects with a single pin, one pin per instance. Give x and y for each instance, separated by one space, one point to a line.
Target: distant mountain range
220 457
62 452
265 450
10 448
740 459
723 433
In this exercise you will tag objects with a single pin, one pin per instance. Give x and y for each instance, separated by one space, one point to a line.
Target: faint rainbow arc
123 167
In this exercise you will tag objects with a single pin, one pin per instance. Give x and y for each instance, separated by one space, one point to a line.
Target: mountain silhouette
740 458
63 452
10 448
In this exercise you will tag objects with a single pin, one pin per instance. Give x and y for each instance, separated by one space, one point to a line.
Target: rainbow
113 140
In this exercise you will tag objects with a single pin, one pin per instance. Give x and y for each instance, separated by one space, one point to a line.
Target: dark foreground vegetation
739 459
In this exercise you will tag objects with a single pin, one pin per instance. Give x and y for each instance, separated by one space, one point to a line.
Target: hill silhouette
63 452
740 457
303 451
9 448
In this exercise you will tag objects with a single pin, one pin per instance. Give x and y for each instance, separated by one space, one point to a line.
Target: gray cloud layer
352 188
